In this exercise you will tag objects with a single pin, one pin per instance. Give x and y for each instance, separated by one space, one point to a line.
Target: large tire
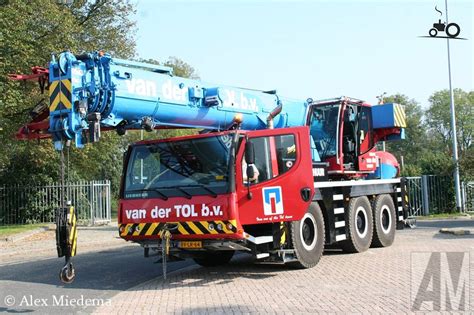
307 238
384 221
214 258
360 226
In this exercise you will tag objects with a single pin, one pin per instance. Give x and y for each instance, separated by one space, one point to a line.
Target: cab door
282 186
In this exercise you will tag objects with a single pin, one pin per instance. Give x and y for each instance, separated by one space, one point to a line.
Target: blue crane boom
94 90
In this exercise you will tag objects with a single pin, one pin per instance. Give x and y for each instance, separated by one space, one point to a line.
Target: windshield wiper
209 190
188 195
162 195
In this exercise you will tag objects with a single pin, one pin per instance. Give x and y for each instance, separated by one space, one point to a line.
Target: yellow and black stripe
72 221
183 228
60 95
399 115
283 229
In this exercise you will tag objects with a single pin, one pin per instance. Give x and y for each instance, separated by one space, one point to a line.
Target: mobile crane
274 177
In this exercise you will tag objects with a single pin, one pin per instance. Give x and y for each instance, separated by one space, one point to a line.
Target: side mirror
250 172
249 154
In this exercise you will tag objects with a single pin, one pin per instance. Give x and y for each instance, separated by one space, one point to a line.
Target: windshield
323 127
180 168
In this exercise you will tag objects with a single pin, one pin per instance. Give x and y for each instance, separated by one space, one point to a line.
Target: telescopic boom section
93 91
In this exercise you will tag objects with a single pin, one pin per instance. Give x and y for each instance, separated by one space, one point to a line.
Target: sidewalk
379 281
42 245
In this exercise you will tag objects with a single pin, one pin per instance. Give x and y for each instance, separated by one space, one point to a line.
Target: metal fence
430 194
467 192
37 204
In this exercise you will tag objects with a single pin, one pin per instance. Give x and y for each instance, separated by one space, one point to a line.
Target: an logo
272 200
452 30
440 281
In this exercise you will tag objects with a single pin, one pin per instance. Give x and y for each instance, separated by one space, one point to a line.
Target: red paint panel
368 161
290 183
176 209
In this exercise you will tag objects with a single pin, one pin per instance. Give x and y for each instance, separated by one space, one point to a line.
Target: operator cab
341 130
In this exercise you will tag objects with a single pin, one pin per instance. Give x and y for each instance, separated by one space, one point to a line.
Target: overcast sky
317 49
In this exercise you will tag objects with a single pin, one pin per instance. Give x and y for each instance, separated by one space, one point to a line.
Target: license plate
190 244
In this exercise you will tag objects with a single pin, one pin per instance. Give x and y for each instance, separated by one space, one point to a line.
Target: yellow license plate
190 244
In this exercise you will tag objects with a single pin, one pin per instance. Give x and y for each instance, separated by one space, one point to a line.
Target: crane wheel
384 221
214 258
360 226
67 273
307 238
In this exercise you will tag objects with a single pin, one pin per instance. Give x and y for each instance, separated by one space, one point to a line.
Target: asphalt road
99 275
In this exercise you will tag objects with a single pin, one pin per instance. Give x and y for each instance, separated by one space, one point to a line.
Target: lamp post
453 126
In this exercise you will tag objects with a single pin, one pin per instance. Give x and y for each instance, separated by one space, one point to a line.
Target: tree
181 68
415 135
30 31
438 118
466 164
438 121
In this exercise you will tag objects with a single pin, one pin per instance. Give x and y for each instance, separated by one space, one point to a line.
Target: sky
317 49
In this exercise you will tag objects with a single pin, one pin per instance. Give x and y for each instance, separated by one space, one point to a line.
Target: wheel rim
308 231
361 222
385 219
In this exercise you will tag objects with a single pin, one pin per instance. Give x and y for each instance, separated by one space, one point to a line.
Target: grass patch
7 230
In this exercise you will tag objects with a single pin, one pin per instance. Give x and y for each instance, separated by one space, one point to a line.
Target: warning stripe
201 228
282 233
60 95
73 231
183 228
206 227
400 117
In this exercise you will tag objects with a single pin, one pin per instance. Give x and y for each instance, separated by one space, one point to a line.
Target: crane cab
344 133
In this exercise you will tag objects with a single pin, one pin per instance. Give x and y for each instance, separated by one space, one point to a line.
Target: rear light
230 226
220 226
211 227
121 229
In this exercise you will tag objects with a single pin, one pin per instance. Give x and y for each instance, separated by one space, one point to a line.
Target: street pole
453 127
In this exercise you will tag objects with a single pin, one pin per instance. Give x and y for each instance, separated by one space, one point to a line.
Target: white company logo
179 93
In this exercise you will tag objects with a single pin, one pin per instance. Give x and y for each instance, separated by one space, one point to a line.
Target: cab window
284 151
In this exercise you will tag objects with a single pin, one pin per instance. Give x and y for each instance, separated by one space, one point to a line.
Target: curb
20 236
455 232
459 217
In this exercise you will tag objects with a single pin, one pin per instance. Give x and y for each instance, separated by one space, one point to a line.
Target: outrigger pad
66 232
